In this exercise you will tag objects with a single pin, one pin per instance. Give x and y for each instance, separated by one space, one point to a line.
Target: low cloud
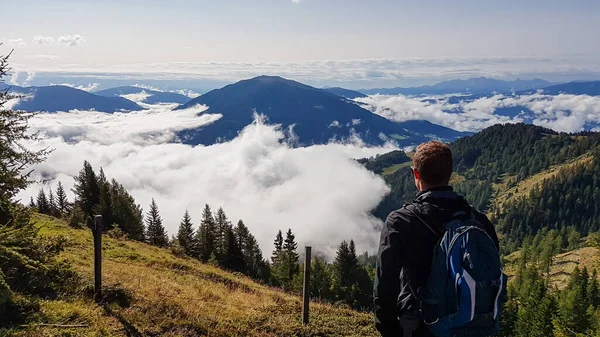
43 40
317 191
15 43
567 113
185 92
16 76
67 40
89 87
138 97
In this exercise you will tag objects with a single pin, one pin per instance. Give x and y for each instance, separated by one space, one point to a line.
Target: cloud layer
568 113
66 40
318 191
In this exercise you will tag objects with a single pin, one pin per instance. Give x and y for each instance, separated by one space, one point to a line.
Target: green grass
172 296
391 169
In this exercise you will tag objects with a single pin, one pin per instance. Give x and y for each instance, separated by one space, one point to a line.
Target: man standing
407 244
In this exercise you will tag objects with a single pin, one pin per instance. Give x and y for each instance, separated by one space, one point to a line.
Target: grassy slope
524 187
562 265
174 296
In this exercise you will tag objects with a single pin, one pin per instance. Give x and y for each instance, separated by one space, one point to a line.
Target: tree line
538 308
216 240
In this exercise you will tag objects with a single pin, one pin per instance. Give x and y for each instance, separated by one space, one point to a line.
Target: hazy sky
322 40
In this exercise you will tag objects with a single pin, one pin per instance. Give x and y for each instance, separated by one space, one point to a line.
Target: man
406 244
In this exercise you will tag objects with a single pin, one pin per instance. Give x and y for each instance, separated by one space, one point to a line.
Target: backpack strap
433 230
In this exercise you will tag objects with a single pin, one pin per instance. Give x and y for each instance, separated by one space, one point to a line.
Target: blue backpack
466 289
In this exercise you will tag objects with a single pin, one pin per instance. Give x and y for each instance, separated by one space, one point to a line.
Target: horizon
402 43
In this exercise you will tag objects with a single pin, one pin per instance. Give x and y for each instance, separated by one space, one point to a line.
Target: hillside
150 292
591 88
61 98
525 177
147 96
316 116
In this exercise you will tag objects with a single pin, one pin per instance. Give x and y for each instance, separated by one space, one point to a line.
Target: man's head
432 165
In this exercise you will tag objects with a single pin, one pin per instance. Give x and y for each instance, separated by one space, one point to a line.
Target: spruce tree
289 260
222 248
104 206
87 190
52 208
43 205
32 204
155 232
278 243
320 286
61 200
185 235
206 234
126 213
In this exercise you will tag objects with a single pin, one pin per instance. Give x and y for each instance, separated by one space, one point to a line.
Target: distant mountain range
574 88
316 115
62 98
479 85
151 97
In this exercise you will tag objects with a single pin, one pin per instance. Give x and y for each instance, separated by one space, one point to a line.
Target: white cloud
138 97
71 40
67 40
567 113
15 78
351 73
356 121
317 191
42 40
296 1
335 124
186 92
89 87
41 57
15 43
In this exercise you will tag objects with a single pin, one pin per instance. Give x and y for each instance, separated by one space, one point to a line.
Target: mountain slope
525 177
149 96
479 85
574 88
350 94
316 116
62 98
150 292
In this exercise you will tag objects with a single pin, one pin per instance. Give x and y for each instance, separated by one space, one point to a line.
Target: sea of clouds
563 113
318 191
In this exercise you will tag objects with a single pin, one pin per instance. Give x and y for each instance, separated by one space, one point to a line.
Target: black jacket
405 254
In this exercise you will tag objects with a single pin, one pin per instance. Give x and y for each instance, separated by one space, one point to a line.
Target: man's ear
416 173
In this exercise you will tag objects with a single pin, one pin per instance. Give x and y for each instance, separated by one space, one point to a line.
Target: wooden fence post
97 228
306 288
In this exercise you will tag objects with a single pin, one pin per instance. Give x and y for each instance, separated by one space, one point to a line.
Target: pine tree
185 235
278 243
222 248
43 205
205 236
320 286
61 200
126 213
104 206
32 204
289 260
52 208
252 260
155 232
593 291
86 189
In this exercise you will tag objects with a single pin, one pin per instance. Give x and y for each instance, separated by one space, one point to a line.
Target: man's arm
387 278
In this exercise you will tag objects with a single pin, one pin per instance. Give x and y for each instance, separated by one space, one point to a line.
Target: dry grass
562 265
173 296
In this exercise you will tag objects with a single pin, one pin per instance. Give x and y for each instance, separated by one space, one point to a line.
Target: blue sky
323 41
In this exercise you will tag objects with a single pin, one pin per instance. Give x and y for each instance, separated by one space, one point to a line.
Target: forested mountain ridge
494 167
